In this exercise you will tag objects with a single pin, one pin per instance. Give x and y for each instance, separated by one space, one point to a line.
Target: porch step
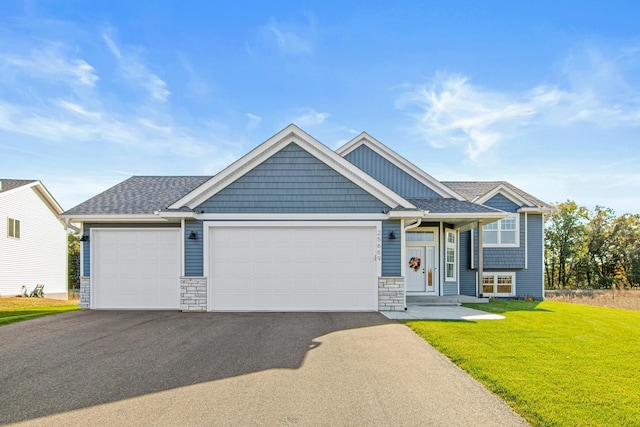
444 300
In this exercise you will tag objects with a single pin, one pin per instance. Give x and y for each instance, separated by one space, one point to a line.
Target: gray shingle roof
449 206
471 190
139 195
10 184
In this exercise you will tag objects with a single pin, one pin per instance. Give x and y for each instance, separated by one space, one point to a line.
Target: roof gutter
404 214
531 209
76 230
113 218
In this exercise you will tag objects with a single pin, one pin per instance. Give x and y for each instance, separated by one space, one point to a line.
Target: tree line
591 248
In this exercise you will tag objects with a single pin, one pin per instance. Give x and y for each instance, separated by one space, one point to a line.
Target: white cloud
308 117
78 109
52 62
453 111
289 40
450 110
133 69
254 121
67 122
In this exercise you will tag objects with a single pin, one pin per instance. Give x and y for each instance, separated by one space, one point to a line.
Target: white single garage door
293 267
135 269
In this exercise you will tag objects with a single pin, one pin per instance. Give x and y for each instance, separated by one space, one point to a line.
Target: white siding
39 256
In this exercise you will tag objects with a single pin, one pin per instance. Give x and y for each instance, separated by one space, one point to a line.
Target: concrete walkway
94 368
440 312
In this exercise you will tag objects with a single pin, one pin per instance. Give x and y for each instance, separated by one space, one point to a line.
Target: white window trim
505 245
13 224
495 274
447 246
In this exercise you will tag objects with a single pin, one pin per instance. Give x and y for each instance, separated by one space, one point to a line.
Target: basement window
502 284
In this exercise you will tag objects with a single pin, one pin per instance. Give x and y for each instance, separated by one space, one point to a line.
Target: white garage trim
370 301
152 279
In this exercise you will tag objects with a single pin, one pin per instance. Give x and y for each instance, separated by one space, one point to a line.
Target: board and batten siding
86 231
391 257
39 256
530 281
389 174
193 249
292 181
467 276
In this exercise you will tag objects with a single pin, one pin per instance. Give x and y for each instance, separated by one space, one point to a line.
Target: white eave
291 133
535 209
400 162
115 218
462 221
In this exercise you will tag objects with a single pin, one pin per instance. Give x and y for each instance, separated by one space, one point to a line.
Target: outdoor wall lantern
84 238
392 235
193 236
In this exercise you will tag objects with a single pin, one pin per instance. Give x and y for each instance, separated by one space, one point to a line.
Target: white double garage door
293 266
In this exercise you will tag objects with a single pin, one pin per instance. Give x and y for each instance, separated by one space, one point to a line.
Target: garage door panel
136 269
301 268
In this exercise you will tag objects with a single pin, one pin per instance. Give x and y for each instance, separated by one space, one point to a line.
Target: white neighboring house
33 247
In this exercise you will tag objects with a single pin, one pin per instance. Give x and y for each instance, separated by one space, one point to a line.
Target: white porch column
480 259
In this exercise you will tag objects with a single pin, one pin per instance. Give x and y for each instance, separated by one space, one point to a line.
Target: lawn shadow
81 359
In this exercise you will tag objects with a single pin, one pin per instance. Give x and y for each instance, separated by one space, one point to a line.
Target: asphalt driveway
170 368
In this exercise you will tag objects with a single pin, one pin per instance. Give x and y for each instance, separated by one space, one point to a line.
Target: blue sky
543 94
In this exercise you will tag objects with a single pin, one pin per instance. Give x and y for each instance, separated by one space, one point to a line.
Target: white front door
421 271
416 280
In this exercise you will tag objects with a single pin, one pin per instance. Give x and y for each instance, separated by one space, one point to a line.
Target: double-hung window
13 228
504 233
450 255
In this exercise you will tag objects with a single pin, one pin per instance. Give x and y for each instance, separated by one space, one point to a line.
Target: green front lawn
555 363
18 309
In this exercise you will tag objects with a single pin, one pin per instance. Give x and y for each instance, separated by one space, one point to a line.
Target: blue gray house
296 226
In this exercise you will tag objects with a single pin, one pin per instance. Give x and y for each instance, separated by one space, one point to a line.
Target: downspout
480 260
76 230
403 249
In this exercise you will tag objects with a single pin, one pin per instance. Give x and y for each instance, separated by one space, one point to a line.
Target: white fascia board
535 210
175 215
399 161
291 133
483 216
299 224
407 214
506 192
113 218
48 197
291 217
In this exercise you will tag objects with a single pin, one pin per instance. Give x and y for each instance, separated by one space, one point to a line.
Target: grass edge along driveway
17 309
554 363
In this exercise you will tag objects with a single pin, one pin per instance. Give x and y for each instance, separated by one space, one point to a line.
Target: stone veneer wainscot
193 293
391 293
